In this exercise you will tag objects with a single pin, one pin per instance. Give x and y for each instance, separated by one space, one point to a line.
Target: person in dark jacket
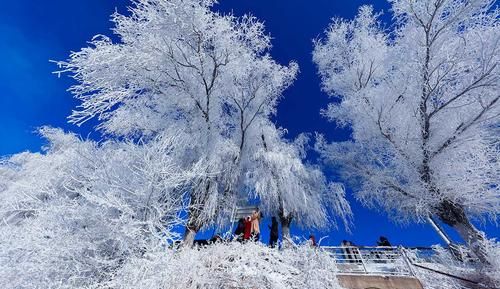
383 242
351 252
240 230
273 236
384 254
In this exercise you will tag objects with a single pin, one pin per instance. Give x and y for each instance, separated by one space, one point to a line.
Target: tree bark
192 227
189 235
285 230
454 216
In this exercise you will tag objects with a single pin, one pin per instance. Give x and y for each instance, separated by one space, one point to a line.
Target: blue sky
34 32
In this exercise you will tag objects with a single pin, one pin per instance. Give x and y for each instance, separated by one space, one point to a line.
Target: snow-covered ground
231 265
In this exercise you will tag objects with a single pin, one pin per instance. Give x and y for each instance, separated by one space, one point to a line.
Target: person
247 232
385 254
273 236
312 241
240 230
351 252
346 250
256 216
383 242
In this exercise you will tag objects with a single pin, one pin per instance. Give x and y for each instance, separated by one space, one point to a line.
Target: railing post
362 260
407 260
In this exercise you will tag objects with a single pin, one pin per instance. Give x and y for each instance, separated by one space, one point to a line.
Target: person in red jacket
248 228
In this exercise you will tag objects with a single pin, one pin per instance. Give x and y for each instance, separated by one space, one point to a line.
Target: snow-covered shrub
229 265
72 216
100 215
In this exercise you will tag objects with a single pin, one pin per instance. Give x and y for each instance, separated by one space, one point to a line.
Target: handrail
370 260
385 260
446 274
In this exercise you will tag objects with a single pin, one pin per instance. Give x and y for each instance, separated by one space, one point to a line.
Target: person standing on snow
273 236
240 230
247 232
256 216
312 241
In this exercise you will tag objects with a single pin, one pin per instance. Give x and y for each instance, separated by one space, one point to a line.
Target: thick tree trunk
195 223
192 227
454 216
286 238
189 236
285 231
475 240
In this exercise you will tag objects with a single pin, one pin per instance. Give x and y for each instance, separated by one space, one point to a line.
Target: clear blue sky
34 32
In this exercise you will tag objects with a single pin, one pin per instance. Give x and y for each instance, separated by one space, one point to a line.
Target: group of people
351 253
249 227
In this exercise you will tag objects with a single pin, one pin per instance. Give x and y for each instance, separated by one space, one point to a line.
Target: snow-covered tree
180 67
291 189
423 104
75 214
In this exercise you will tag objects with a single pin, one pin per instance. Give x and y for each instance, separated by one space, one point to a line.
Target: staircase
373 267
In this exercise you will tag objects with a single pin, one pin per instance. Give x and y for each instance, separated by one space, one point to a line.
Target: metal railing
370 260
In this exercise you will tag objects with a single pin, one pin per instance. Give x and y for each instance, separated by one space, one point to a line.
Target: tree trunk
454 216
189 235
192 227
286 238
